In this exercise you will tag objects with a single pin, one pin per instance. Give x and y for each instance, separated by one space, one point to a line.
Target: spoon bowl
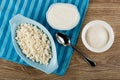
63 39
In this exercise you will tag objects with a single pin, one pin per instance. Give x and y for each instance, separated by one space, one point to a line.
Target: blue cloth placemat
36 10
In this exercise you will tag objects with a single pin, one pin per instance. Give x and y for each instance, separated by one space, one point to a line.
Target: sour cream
97 36
62 16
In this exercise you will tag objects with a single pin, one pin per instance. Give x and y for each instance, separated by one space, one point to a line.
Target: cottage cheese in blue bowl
52 64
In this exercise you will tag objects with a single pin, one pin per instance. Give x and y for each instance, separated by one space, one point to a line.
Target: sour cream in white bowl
63 16
97 36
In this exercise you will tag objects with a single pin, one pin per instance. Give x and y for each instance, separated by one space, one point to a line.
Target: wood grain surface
108 63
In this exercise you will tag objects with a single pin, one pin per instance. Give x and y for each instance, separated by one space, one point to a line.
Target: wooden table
108 63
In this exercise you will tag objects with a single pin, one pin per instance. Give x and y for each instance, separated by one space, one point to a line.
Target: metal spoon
64 40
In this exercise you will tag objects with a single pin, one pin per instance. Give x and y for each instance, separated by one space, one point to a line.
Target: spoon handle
87 59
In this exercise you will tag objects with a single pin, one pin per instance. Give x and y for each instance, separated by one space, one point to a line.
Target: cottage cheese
34 43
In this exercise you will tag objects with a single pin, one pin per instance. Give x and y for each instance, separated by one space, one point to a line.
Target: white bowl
108 29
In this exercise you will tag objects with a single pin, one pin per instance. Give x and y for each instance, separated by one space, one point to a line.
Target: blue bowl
14 23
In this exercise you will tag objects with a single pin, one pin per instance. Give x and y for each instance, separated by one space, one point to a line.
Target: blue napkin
36 10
